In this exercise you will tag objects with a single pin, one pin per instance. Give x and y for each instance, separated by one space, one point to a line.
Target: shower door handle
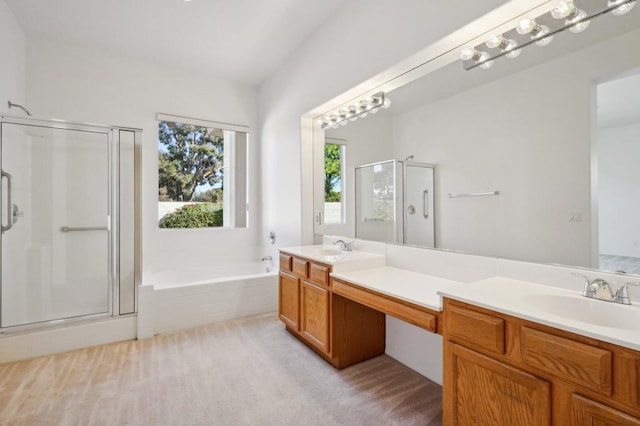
425 203
83 228
9 178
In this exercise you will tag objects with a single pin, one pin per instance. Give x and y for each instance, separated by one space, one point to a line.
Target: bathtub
199 276
177 299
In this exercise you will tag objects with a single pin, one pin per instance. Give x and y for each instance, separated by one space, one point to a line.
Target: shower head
11 105
409 158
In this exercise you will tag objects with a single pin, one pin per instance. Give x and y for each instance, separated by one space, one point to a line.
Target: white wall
618 201
84 85
12 65
362 39
527 135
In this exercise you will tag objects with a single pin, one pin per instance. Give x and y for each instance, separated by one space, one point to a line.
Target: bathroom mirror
533 158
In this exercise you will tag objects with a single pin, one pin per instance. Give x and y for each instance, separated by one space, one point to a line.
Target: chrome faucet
596 288
602 290
344 246
266 258
622 294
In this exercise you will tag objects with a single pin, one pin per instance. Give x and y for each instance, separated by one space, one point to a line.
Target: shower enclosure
395 203
69 243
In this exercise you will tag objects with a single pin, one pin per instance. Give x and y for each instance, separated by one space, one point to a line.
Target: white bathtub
199 276
177 299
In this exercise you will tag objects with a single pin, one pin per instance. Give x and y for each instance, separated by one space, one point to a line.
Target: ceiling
239 40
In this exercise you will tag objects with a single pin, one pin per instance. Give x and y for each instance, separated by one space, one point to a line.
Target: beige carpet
242 372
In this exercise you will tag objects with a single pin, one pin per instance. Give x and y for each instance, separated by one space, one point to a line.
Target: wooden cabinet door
590 413
481 391
289 300
314 312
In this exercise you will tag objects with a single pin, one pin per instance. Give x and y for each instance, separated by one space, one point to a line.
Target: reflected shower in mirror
531 132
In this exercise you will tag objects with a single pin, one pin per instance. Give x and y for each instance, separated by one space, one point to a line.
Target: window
334 154
202 174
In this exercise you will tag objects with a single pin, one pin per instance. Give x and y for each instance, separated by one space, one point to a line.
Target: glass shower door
55 203
419 225
376 201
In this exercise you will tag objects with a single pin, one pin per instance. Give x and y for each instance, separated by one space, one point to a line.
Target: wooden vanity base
340 330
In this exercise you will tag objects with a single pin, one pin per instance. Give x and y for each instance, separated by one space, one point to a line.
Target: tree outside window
197 187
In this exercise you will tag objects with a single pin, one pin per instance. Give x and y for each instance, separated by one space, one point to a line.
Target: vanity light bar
565 16
359 109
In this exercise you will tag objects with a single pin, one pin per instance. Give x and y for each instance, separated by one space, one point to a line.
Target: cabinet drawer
474 329
285 262
319 274
413 315
573 361
300 267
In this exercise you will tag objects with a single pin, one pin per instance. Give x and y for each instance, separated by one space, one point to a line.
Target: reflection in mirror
531 130
618 175
334 164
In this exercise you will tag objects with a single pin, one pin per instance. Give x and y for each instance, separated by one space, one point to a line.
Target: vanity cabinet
488 392
314 315
500 369
340 330
289 300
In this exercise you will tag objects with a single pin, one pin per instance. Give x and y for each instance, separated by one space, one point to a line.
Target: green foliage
202 215
189 156
332 172
211 196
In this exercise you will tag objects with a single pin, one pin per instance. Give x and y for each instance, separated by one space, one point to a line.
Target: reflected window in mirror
334 161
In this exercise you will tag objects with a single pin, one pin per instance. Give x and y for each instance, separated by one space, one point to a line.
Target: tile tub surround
513 297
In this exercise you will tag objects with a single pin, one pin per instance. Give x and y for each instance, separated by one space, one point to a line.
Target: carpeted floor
241 372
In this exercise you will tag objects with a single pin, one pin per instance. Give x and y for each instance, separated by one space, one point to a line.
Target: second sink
590 311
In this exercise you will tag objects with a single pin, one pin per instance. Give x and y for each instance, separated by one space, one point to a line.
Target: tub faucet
344 246
266 258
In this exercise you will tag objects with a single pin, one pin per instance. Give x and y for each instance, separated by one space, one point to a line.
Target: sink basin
590 311
327 252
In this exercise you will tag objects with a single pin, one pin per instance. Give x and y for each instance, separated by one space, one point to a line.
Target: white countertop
339 260
563 309
409 286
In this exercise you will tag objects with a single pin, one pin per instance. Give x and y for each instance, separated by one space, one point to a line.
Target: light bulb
319 122
513 52
496 41
469 53
374 110
485 65
623 9
353 110
344 123
564 9
387 103
580 27
363 115
527 26
543 41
